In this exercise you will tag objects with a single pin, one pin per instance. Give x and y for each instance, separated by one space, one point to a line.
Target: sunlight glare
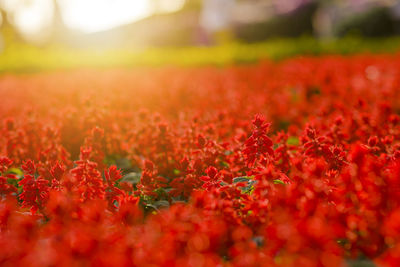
98 15
170 5
35 17
30 17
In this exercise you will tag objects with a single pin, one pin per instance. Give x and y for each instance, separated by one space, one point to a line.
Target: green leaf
158 205
245 179
247 189
132 177
109 160
293 141
14 182
15 171
242 179
228 152
283 125
225 164
177 172
161 203
360 263
120 162
123 163
258 240
162 192
277 181
178 200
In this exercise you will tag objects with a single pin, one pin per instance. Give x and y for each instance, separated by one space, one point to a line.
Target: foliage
25 58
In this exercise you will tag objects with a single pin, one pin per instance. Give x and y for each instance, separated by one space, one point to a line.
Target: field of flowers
289 163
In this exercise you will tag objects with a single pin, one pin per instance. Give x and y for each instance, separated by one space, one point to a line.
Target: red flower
212 180
35 190
258 145
113 193
89 182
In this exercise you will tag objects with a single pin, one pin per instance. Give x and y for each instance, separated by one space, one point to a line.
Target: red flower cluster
177 167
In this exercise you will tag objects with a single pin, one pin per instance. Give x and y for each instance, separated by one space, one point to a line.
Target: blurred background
135 25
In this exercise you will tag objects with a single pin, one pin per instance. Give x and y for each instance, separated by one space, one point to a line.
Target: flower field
289 163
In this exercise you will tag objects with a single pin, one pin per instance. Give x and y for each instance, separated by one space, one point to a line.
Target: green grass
24 58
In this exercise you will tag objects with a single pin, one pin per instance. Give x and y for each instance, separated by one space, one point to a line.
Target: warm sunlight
97 15
200 133
34 16
31 17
